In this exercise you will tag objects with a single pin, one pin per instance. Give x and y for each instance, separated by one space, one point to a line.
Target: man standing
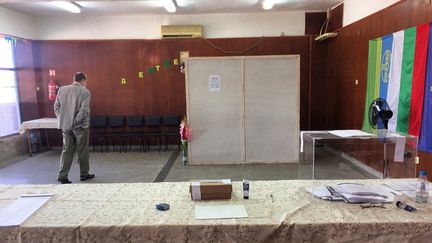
72 109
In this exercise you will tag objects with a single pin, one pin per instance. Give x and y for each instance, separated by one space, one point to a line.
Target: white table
43 123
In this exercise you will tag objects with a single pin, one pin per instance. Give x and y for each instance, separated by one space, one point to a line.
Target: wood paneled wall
347 58
26 80
330 98
336 18
106 62
313 22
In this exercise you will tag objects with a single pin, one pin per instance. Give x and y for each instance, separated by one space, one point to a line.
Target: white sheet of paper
214 83
402 185
21 209
320 191
349 133
301 138
400 147
220 212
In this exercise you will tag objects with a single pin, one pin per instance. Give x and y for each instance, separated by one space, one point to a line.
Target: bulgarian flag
397 73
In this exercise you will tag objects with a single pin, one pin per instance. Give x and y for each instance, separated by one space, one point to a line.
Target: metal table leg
29 142
47 140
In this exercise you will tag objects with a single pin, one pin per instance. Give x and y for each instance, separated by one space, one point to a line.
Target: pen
352 183
38 195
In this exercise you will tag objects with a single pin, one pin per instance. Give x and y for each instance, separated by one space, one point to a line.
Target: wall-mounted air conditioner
181 31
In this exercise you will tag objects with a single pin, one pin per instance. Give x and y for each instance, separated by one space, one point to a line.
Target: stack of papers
350 133
324 193
355 193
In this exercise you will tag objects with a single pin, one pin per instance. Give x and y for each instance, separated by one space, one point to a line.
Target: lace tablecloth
279 211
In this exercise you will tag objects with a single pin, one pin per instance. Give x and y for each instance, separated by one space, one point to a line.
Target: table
279 211
43 123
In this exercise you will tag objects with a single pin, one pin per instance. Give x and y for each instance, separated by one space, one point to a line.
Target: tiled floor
134 166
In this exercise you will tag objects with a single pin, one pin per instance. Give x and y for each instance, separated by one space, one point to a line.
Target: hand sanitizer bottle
245 189
422 191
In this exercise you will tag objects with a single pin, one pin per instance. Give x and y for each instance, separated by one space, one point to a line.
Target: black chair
98 130
135 126
153 129
171 129
117 126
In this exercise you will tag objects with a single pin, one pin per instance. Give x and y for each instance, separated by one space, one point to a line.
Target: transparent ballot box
354 154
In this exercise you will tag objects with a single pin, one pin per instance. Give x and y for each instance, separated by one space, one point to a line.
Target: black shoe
64 181
87 177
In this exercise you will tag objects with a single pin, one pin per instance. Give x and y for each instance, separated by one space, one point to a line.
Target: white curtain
10 120
9 109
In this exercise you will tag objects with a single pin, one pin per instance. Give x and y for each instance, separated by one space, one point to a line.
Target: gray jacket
72 107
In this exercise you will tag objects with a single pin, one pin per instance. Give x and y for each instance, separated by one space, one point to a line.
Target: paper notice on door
214 83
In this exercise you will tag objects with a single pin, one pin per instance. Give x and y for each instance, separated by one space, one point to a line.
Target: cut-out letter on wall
141 74
166 63
175 62
123 81
157 67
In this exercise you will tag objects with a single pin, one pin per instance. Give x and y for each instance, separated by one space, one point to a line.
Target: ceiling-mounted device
181 31
267 4
325 36
68 6
323 31
169 6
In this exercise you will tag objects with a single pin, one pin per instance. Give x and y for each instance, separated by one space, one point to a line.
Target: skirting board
241 162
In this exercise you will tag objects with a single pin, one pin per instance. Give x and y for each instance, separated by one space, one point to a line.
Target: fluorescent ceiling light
267 4
169 6
69 6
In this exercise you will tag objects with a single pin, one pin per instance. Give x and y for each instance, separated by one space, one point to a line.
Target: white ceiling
135 7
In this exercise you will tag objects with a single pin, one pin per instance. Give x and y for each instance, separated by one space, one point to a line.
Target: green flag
372 77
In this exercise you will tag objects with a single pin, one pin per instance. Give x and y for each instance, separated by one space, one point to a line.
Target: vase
185 159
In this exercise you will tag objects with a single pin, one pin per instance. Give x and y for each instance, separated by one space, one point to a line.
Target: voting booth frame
379 154
243 109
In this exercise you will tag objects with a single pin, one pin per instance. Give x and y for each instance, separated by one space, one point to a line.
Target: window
9 108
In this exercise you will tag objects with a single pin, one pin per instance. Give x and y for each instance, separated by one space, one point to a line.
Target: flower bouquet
185 135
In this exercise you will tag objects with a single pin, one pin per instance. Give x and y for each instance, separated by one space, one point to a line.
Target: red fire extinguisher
52 90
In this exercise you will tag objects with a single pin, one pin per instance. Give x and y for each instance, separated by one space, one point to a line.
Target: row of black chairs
142 128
